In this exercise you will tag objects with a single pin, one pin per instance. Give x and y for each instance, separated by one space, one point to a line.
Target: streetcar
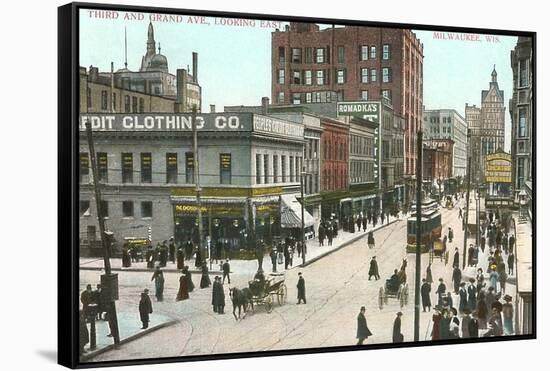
430 226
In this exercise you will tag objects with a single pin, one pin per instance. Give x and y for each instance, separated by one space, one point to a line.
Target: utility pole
197 180
465 218
303 223
109 281
418 234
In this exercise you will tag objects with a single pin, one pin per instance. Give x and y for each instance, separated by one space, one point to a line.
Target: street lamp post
465 217
418 235
196 177
302 174
477 197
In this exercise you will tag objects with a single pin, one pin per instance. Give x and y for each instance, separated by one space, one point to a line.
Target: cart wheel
381 298
385 297
269 304
281 295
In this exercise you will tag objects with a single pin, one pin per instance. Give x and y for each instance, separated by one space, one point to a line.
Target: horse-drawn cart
263 292
395 287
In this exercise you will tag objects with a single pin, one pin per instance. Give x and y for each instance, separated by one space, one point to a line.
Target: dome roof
159 61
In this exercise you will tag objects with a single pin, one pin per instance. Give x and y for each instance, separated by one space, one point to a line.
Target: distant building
437 159
487 127
449 124
310 65
521 114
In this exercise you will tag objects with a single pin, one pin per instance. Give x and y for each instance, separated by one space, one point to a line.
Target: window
340 76
373 75
258 168
146 209
275 169
386 93
373 52
296 98
114 101
134 104
84 208
291 162
308 77
309 55
320 55
225 168
146 167
102 167
281 54
521 171
364 52
386 52
523 73
127 209
283 169
104 208
364 94
171 168
189 168
266 169
126 103
84 166
281 97
127 161
141 105
522 123
320 77
364 75
341 54
296 77
386 75
296 55
281 76
308 97
339 96
104 100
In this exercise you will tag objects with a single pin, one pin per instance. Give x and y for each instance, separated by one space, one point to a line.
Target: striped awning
291 213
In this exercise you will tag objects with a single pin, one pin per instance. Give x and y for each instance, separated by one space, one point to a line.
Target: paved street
337 286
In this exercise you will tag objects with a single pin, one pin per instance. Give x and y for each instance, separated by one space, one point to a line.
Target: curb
344 244
88 356
150 270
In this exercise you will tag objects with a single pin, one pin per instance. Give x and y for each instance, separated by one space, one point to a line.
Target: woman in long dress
188 275
158 277
205 280
183 293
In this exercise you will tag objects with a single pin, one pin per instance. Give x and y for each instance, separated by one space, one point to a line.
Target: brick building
314 65
437 164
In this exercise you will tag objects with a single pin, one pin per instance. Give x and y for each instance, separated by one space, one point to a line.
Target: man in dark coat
472 294
363 331
188 279
397 336
198 257
97 300
457 277
273 256
441 290
301 286
286 253
218 296
158 277
373 269
471 255
188 249
172 250
511 263
87 298
180 258
425 290
364 222
456 258
84 335
451 234
145 308
463 298
205 279
226 268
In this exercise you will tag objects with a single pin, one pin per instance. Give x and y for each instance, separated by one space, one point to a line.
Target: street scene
252 185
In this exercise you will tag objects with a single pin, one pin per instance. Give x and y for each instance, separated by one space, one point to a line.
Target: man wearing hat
397 336
508 315
441 290
145 308
425 290
472 294
466 323
373 269
363 331
172 250
301 286
462 297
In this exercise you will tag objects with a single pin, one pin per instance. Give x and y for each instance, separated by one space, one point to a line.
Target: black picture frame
68 195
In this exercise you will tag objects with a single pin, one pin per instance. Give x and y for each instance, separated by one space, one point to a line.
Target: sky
235 59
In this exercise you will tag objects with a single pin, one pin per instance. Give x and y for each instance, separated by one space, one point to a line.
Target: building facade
449 124
312 65
487 127
521 114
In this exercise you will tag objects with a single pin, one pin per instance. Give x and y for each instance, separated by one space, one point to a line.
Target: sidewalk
129 326
249 267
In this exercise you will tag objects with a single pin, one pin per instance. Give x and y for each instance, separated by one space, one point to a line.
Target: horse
241 299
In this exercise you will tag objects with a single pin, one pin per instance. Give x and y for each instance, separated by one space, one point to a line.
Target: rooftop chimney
212 108
265 105
195 67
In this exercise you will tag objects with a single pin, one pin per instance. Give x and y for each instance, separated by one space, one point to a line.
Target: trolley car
430 227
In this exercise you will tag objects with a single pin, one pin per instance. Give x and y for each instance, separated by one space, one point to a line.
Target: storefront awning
291 213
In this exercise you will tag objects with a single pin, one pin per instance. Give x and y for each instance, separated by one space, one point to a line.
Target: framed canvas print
243 185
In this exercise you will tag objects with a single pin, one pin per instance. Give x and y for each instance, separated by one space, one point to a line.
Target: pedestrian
482 243
425 290
189 249
493 278
495 322
218 296
370 240
126 258
189 279
463 298
397 336
453 331
145 308
459 213
373 269
180 258
471 255
273 256
172 250
451 234
429 277
287 256
321 234
473 328
301 286
441 290
205 279
465 325
511 242
456 258
163 254
86 298
364 222
472 295
330 235
97 300
457 277
508 315
84 335
511 263
260 252
482 310
480 278
226 268
448 300
444 325
502 277
158 276
363 331
436 319
183 293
